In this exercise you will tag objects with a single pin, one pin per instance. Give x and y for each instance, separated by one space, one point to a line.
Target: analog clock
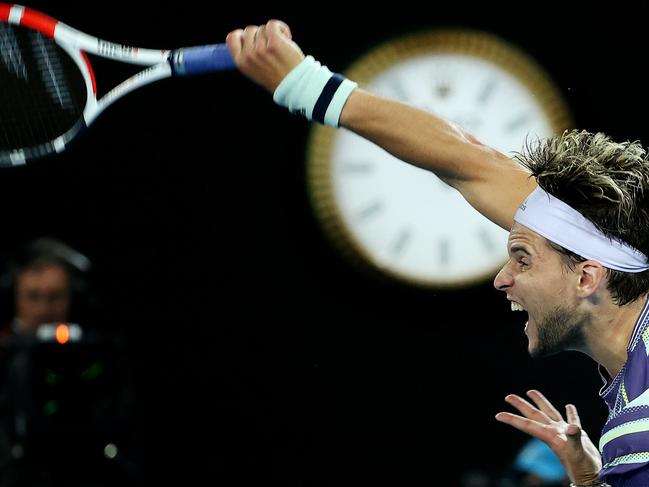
402 221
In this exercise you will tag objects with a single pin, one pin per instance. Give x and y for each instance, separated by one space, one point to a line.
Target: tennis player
577 209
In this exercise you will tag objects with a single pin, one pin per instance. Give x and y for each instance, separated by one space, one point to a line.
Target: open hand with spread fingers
566 438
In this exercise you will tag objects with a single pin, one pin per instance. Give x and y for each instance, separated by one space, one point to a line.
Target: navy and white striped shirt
624 443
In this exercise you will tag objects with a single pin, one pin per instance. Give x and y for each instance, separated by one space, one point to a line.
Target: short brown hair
608 183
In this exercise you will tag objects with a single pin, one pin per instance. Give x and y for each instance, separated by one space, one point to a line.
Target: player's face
537 281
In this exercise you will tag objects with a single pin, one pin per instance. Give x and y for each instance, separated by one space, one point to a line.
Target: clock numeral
370 211
518 122
357 167
487 241
399 91
444 252
486 92
401 241
443 90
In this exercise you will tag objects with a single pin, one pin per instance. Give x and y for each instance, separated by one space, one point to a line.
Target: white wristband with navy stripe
313 91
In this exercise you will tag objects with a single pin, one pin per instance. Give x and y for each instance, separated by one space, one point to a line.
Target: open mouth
517 306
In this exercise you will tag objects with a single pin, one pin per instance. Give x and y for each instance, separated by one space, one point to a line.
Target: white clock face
410 222
482 97
404 220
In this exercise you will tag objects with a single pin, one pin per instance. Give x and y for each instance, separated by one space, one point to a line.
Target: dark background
258 353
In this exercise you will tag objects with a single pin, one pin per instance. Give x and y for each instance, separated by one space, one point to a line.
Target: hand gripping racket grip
201 59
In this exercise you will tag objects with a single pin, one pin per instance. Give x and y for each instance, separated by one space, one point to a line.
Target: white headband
561 224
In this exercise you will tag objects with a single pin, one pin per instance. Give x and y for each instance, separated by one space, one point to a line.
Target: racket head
46 87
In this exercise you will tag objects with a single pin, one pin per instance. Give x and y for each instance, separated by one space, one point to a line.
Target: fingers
532 428
544 405
245 40
234 40
526 409
277 27
249 37
534 422
572 415
514 420
266 53
260 36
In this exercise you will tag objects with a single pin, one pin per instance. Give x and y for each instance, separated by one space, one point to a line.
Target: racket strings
43 91
10 53
48 61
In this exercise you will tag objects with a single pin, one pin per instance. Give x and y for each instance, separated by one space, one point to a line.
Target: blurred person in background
66 398
42 280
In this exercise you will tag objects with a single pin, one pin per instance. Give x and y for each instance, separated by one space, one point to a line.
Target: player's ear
591 276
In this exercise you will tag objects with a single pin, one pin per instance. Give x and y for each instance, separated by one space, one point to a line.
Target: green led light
50 408
93 371
52 378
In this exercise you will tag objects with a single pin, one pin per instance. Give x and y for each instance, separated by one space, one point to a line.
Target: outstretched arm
490 181
568 441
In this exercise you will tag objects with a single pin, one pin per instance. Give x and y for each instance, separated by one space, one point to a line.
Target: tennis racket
48 92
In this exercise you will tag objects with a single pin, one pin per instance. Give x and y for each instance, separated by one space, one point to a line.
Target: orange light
62 333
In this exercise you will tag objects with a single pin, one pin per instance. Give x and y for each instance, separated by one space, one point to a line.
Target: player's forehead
521 236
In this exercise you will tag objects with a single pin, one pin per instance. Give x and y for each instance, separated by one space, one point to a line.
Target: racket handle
201 59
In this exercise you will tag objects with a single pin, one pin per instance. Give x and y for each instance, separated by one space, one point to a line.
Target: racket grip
201 59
